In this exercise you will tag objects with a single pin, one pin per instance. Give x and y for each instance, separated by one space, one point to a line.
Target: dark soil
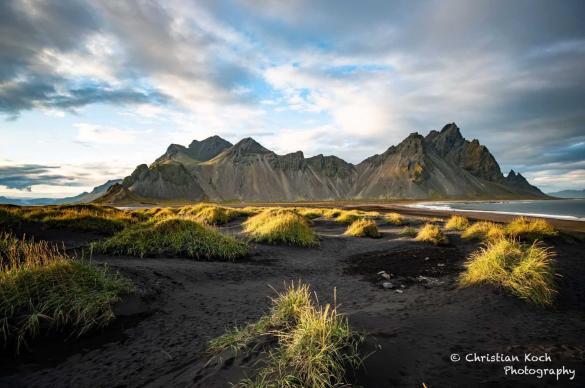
412 329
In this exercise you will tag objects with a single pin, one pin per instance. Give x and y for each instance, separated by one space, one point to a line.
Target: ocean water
562 208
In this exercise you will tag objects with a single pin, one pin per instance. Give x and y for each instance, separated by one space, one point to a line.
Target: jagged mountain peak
249 146
211 140
198 151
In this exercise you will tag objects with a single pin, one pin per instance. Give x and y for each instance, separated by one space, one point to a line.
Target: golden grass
457 223
332 213
363 228
525 270
83 217
310 213
394 218
280 226
530 229
484 230
42 288
173 237
431 233
349 216
314 343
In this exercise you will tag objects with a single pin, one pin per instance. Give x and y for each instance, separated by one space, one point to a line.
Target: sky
90 89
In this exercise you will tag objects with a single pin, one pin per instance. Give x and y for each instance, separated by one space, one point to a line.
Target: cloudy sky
89 89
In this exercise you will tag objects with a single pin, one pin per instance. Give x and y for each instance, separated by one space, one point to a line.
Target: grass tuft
174 237
408 231
394 218
314 343
525 270
525 228
431 233
44 289
349 216
280 226
483 230
457 223
363 228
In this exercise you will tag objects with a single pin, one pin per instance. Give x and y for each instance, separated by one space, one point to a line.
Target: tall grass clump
431 233
457 223
82 217
43 289
280 226
483 230
349 216
530 229
310 213
525 270
394 218
408 231
314 346
363 228
332 213
173 237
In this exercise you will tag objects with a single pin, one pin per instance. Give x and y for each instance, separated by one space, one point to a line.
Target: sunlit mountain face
91 89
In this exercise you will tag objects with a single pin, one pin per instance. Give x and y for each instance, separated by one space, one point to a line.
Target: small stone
402 286
387 285
427 258
399 291
440 265
386 276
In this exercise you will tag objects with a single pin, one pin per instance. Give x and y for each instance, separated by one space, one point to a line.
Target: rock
440 265
399 291
402 286
385 275
387 285
427 258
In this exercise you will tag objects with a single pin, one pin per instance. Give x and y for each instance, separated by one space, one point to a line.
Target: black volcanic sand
161 335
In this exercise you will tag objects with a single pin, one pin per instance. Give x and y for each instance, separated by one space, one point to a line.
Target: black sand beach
160 337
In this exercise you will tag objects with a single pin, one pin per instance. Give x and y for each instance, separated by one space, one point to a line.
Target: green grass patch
394 218
314 346
173 237
525 270
484 230
431 233
457 223
363 228
408 231
44 289
280 226
530 229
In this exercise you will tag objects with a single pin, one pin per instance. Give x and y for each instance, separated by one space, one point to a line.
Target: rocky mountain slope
441 165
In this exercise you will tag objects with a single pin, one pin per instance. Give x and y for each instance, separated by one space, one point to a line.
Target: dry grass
363 228
314 343
457 223
408 231
394 218
280 226
83 218
332 213
525 270
174 237
349 216
431 233
535 229
483 230
43 289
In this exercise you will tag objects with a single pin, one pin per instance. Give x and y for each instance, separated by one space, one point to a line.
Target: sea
567 209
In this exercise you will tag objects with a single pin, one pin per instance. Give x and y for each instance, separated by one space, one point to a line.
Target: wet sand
161 335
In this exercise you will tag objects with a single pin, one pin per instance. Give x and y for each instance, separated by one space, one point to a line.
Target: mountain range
568 194
84 197
440 165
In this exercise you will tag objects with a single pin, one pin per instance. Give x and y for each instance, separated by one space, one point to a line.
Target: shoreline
566 225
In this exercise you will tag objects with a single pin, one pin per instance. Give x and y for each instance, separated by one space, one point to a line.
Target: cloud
91 133
23 177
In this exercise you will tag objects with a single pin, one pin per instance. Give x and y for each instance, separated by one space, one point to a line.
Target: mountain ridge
442 164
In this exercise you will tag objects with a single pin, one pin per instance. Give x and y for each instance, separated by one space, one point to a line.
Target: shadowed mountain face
441 165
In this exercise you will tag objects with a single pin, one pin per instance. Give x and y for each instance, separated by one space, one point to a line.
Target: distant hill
568 194
84 197
442 164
